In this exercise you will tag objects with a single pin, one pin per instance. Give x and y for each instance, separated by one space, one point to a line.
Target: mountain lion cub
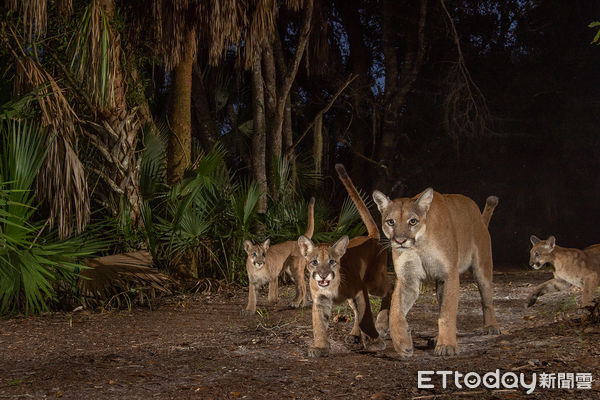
437 236
340 272
349 270
265 263
576 267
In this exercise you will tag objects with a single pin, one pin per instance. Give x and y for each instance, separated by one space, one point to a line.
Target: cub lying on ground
437 236
341 272
576 267
265 263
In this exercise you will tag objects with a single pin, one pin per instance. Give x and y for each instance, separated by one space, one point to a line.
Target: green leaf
597 37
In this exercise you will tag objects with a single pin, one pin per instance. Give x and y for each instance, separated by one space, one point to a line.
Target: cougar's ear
551 242
339 248
381 200
424 200
306 245
534 239
248 246
266 244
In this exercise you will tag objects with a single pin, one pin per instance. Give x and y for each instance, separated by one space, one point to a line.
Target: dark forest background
157 116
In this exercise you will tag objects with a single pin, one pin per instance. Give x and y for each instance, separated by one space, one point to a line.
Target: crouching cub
575 267
437 236
341 272
265 263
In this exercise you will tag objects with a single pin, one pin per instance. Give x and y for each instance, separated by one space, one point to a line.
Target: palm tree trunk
180 140
116 135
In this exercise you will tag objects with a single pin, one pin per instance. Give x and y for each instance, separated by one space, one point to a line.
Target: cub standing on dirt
437 236
349 270
265 264
576 267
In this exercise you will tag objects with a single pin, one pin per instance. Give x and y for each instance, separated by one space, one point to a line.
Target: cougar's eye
263 254
413 221
390 222
331 262
536 254
253 254
314 262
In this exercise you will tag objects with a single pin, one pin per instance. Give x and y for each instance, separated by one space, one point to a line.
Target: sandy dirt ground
199 346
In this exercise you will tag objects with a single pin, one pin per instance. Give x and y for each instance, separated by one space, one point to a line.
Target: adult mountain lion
265 263
437 236
349 270
576 267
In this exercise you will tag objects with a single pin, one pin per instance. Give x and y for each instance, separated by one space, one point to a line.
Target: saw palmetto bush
32 258
286 217
197 226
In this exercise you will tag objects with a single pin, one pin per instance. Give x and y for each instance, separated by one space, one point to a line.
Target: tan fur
490 205
365 215
362 270
437 237
280 257
575 267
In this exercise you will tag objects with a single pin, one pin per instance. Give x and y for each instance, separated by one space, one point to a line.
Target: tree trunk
396 90
275 138
116 136
207 129
359 61
288 138
318 143
259 134
283 89
180 140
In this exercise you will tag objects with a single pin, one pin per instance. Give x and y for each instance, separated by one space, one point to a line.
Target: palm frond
62 182
33 14
243 203
108 276
31 261
95 57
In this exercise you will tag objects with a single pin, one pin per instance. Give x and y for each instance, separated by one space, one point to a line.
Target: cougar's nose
400 240
323 275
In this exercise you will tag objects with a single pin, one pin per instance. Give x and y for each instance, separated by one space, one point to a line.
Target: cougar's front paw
404 351
445 350
295 304
492 330
318 351
382 325
352 339
373 345
248 312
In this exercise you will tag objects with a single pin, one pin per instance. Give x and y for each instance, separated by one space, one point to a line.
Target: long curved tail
490 205
310 227
365 215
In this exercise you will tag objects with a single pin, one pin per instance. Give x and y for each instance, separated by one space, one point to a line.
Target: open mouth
323 283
